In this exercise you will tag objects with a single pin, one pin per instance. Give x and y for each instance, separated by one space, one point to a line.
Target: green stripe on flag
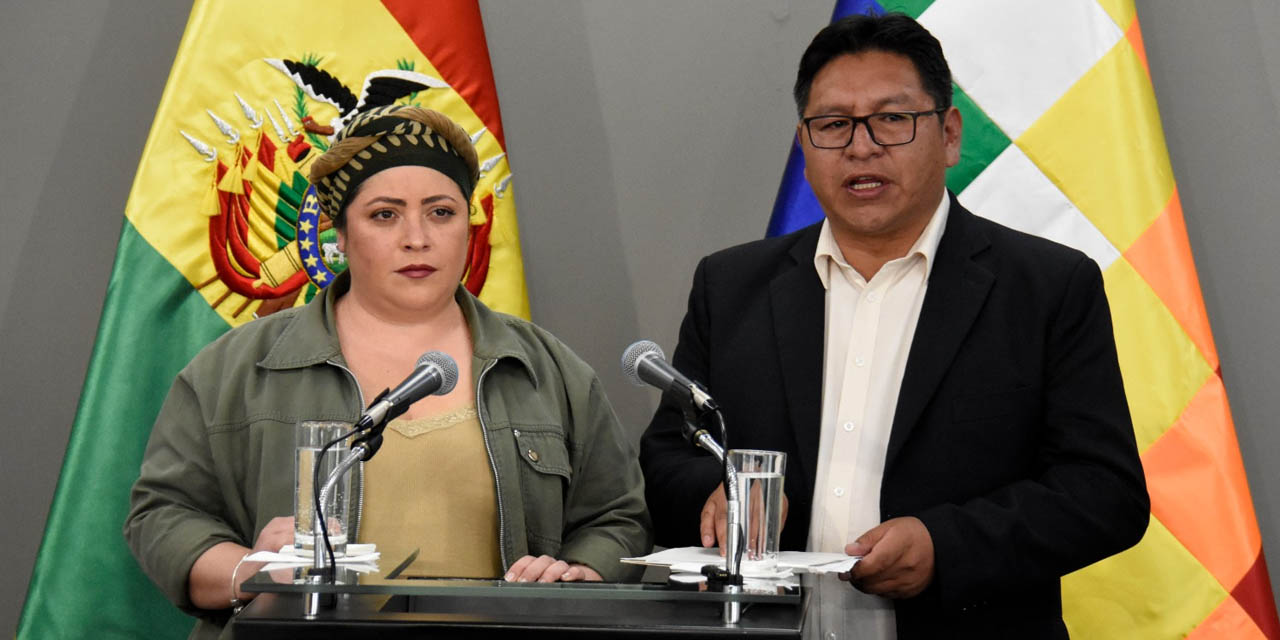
153 322
912 8
980 142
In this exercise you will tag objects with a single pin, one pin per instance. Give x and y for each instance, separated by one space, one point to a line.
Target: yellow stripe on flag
1122 11
1162 368
1156 589
1101 143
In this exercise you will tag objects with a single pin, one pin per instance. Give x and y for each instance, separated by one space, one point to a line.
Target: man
946 389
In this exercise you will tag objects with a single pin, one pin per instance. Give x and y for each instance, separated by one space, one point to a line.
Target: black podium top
371 606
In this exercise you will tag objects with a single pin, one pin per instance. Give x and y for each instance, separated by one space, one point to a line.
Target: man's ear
952 126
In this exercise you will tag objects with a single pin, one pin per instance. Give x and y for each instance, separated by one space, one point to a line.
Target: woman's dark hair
891 33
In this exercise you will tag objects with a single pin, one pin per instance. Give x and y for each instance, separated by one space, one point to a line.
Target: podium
371 606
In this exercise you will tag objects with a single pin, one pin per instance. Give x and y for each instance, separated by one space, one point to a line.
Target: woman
522 471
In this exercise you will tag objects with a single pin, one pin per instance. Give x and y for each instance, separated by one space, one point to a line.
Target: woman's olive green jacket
219 464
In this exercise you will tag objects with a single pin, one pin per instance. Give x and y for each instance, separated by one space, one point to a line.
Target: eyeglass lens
836 132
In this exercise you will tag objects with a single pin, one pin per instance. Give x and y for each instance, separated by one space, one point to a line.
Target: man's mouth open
865 184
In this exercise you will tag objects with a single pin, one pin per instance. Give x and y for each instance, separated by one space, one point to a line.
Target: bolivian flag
221 227
1062 139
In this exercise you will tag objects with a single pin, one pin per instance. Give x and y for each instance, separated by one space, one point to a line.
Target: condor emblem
268 239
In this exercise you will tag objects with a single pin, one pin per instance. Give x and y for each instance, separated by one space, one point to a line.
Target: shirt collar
828 254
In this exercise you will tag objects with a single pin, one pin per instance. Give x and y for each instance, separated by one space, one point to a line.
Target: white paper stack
692 559
358 557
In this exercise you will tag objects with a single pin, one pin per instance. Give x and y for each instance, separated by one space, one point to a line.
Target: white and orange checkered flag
1062 139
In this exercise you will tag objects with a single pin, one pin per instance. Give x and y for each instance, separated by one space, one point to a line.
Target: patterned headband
393 141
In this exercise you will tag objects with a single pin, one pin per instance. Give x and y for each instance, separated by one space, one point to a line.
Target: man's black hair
892 33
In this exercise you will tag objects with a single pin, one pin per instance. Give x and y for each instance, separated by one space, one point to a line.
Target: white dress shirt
869 328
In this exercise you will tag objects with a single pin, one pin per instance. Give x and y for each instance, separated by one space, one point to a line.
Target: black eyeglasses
887 129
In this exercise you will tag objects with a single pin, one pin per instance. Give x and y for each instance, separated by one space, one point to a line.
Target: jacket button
533 455
515 432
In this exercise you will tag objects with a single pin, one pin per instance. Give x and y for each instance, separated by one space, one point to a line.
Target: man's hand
715 515
548 569
897 559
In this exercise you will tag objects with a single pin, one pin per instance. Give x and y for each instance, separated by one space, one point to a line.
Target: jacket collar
957 291
311 337
492 338
958 287
798 305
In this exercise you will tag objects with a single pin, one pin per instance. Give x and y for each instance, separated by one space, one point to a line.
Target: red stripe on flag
451 35
1253 592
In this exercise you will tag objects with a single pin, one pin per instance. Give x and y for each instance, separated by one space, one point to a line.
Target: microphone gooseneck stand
324 565
644 363
731 578
435 373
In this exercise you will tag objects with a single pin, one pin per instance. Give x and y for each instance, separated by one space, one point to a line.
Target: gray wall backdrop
642 135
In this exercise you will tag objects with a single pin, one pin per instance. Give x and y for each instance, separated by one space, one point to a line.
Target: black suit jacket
1011 441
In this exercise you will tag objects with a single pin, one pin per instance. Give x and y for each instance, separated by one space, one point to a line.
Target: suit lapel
799 314
958 287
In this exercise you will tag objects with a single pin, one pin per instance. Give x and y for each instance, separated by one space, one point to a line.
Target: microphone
644 363
435 373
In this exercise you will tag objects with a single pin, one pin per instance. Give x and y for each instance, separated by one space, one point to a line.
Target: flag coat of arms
1062 139
222 226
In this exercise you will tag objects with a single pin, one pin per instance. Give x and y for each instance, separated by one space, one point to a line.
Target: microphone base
324 574
317 601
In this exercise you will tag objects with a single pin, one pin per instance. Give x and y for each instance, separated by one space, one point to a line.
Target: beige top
430 487
869 330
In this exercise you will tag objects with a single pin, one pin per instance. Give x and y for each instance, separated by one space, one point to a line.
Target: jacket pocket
543 451
544 482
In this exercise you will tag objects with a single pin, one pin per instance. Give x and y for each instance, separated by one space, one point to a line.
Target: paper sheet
693 558
359 557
